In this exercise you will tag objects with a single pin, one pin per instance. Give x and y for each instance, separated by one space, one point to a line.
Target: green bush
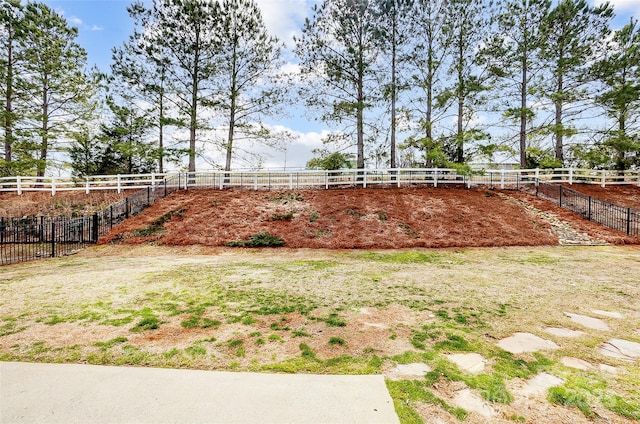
258 240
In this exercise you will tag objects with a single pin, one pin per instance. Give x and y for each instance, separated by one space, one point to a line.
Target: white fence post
290 181
119 184
19 185
86 185
153 181
435 177
364 179
53 186
502 179
326 179
604 179
570 176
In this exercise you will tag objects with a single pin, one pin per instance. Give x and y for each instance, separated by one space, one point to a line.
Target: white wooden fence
273 180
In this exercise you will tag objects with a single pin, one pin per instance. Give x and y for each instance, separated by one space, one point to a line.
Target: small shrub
282 217
382 216
410 232
355 213
258 240
314 216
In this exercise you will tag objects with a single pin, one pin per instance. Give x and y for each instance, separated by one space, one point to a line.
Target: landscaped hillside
362 218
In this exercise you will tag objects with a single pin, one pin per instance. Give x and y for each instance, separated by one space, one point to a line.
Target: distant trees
619 73
44 77
399 82
338 51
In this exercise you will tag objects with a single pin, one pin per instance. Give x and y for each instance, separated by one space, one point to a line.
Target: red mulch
345 218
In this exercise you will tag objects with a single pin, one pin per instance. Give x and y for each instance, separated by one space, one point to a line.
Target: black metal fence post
629 221
94 235
53 239
560 197
589 210
126 207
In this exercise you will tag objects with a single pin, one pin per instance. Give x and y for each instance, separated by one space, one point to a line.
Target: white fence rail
273 180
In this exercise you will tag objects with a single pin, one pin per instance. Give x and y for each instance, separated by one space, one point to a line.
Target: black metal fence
24 239
606 213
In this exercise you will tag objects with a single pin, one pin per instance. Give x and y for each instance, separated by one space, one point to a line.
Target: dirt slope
347 218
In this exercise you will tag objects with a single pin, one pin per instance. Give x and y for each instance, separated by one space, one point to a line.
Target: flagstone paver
589 322
608 368
539 384
411 371
526 342
576 363
470 362
472 402
563 332
608 314
621 349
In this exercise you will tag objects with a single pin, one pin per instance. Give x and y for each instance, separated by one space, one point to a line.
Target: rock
608 314
563 332
526 342
470 362
608 368
621 349
412 371
470 401
539 384
589 322
576 363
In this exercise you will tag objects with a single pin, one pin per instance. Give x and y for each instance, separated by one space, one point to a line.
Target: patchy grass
323 311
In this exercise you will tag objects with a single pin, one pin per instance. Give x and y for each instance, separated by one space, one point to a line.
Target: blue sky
104 24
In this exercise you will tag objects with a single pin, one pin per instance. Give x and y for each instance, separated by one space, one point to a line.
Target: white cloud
96 28
284 18
74 20
623 8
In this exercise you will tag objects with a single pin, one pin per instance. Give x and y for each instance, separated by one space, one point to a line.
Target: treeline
400 83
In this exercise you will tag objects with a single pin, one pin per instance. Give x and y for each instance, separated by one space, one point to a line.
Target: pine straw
595 230
625 195
69 203
342 219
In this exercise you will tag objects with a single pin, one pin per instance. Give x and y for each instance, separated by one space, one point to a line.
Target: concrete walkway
48 393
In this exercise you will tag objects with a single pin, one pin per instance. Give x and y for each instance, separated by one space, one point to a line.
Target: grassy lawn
351 312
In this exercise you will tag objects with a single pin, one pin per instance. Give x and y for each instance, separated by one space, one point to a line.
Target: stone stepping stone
608 314
526 342
539 384
608 368
589 322
472 402
472 363
576 363
563 332
412 371
621 349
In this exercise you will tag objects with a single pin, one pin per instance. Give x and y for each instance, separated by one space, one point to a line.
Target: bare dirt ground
357 218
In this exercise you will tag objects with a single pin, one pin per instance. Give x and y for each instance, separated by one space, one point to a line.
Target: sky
104 24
